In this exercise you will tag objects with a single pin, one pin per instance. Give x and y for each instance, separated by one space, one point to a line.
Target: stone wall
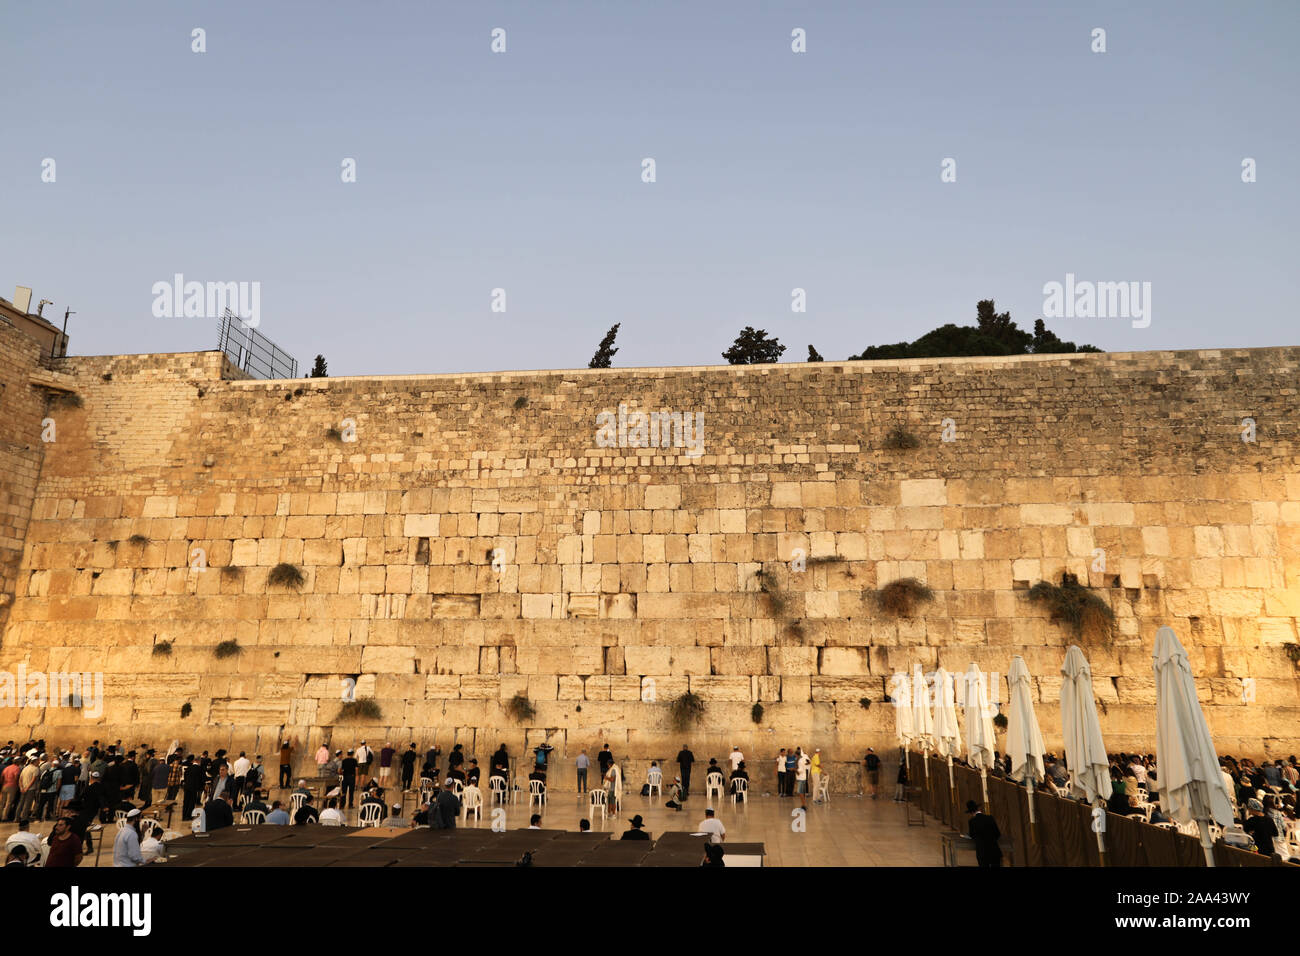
22 407
618 565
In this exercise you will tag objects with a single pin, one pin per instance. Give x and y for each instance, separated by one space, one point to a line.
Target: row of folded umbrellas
1191 785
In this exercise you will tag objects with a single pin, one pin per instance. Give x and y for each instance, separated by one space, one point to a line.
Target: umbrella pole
1101 841
925 761
984 783
952 790
1033 823
1206 843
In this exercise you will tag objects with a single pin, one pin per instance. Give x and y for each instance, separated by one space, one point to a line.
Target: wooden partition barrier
1063 834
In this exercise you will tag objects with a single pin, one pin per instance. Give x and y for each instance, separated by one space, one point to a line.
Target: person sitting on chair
740 773
332 816
638 829
306 813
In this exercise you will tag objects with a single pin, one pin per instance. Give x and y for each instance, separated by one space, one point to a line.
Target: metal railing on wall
252 351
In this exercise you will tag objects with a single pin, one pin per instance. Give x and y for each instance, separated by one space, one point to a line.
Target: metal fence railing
252 351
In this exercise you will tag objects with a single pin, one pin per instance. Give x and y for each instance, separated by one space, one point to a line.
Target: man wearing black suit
408 767
128 777
218 813
111 778
194 782
983 829
684 760
348 786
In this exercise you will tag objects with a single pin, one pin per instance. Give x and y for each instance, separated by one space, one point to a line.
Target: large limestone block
392 660
721 688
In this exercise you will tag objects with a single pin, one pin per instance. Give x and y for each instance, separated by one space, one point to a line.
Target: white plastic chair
497 788
457 787
119 817
655 779
253 817
331 822
824 789
739 790
296 800
371 814
536 792
713 785
600 800
471 801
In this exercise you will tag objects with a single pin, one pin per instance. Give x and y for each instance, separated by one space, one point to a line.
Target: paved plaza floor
849 831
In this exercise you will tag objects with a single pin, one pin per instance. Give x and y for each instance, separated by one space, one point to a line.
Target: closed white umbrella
922 719
1191 786
980 739
1024 741
947 735
901 694
1085 753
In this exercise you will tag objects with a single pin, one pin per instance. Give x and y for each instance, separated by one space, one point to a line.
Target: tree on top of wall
992 334
605 351
754 347
320 369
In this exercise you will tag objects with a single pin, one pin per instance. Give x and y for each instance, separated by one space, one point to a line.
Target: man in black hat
408 767
348 770
637 832
983 829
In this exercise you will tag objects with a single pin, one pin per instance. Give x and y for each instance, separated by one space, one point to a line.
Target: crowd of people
77 790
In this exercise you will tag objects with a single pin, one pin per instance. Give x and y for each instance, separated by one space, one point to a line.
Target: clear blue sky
523 171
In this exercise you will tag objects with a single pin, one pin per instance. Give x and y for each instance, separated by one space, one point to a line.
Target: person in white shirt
239 770
24 837
736 758
802 762
712 826
332 816
1139 771
126 846
153 849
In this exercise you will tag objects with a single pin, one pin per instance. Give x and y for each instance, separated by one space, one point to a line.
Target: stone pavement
850 831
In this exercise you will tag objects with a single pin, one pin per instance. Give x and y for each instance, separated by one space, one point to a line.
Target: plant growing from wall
333 434
776 598
186 710
363 708
138 539
1000 721
228 649
520 402
232 571
67 400
864 703
900 439
686 711
162 649
520 709
900 598
756 713
1075 605
1292 652
285 575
